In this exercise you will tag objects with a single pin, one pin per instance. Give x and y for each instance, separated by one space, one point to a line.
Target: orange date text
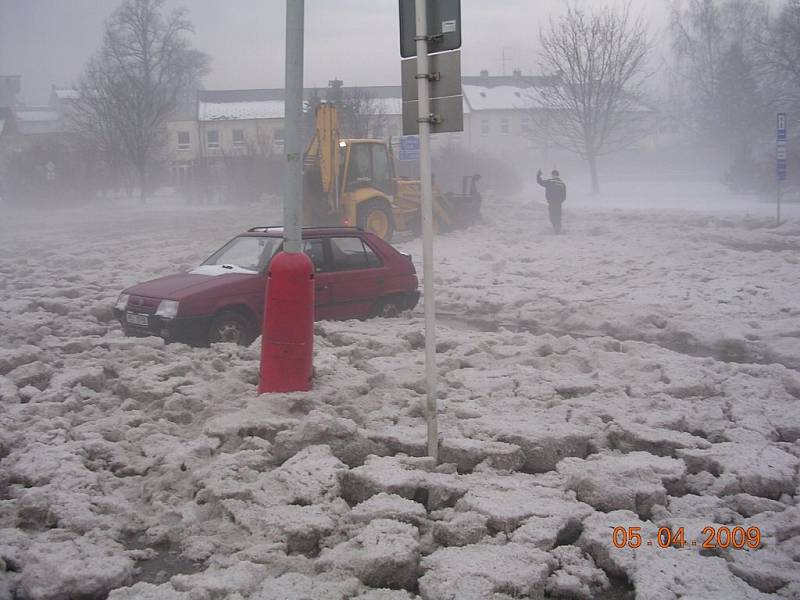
720 536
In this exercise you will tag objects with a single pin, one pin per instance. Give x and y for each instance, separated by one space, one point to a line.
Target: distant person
555 191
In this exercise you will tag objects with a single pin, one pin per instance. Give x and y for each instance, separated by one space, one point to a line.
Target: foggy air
285 315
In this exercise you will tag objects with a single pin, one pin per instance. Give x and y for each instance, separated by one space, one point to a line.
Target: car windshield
246 252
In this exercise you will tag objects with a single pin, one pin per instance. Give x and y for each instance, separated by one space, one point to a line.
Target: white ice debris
577 576
639 371
389 506
383 554
459 528
511 502
758 469
61 566
635 481
478 570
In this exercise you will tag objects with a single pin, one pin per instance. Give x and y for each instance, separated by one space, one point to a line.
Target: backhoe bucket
458 211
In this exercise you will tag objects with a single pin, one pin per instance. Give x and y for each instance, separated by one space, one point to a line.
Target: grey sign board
448 111
445 67
444 23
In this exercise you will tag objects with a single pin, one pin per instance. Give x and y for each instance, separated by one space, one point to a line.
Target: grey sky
48 41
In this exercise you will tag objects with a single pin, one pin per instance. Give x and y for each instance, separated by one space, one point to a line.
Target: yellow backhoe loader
353 182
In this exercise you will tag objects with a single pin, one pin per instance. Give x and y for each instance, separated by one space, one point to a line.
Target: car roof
277 231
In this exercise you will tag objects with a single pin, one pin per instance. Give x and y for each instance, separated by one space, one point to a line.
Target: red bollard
287 341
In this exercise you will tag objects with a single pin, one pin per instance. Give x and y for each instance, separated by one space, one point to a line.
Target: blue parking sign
781 147
409 147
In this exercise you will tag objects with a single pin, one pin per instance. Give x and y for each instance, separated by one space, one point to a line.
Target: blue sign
409 147
781 127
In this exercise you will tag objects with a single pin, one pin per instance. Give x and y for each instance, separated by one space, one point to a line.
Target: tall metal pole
427 225
293 115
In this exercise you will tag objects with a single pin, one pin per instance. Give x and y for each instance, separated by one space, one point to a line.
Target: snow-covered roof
36 115
502 97
35 120
231 111
66 93
389 106
225 110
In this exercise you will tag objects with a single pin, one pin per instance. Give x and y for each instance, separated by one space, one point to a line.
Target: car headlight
167 309
122 302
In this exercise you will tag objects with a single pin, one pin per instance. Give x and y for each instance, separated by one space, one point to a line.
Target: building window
238 137
277 140
182 174
184 141
212 138
525 126
503 125
484 126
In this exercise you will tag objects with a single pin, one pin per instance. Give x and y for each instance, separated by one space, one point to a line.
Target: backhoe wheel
376 216
233 327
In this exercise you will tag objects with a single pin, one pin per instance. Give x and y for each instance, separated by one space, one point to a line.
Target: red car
358 275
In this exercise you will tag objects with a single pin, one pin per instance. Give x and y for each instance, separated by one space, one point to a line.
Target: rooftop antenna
504 59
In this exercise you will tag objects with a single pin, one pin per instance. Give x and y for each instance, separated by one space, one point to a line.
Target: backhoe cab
353 182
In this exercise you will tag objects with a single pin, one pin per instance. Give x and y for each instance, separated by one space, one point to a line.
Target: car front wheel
388 307
232 327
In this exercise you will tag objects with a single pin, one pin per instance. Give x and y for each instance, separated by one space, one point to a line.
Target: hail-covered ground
640 371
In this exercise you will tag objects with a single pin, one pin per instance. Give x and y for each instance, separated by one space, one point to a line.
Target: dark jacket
555 190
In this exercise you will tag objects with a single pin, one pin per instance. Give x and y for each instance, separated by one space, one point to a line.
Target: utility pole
427 225
433 83
293 103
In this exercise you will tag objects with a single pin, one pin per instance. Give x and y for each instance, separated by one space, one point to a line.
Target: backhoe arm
323 150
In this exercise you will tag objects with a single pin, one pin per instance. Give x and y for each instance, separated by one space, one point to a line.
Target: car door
315 249
358 277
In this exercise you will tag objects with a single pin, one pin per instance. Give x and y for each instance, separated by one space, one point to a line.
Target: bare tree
361 113
364 114
135 81
600 59
779 52
708 37
719 51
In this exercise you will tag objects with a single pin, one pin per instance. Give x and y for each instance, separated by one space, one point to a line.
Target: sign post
293 111
430 25
287 338
427 227
780 156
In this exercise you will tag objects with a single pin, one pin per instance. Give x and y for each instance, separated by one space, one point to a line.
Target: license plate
135 319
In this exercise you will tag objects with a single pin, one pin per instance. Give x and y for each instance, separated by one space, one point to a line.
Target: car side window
372 258
316 252
351 253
